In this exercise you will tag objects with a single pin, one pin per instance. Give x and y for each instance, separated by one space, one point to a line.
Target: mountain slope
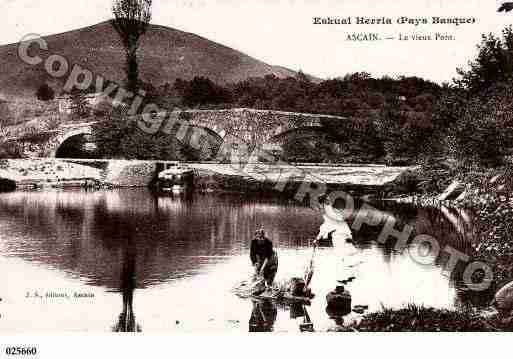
164 55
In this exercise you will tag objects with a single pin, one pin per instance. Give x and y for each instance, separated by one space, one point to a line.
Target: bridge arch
61 140
204 142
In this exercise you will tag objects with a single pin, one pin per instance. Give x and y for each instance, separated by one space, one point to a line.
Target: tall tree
506 7
132 18
493 64
483 131
79 104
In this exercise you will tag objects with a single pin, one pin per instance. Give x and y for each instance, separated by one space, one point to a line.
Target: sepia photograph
232 167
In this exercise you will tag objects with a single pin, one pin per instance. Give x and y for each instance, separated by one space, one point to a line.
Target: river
129 260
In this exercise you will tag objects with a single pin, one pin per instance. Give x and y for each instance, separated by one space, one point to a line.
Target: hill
165 54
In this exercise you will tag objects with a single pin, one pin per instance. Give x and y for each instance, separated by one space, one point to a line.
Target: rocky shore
47 173
488 193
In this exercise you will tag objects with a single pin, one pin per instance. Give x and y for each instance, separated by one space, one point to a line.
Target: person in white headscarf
335 229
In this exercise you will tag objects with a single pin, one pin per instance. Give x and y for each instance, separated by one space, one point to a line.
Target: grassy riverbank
488 192
415 318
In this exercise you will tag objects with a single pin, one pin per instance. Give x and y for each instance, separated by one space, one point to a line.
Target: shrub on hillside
493 63
5 112
45 93
79 104
483 131
201 91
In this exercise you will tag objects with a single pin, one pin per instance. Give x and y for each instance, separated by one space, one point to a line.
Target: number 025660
21 351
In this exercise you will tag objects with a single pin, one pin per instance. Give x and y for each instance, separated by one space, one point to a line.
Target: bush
45 93
201 91
5 112
483 132
11 150
493 64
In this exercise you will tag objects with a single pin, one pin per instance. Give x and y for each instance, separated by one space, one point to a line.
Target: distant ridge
165 54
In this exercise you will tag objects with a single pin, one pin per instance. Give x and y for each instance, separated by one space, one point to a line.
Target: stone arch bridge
248 126
255 127
47 143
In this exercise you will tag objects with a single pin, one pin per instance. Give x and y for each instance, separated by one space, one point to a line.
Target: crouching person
263 257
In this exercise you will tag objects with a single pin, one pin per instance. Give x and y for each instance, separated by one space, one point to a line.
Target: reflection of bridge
247 126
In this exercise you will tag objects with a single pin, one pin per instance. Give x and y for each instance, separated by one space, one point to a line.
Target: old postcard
282 166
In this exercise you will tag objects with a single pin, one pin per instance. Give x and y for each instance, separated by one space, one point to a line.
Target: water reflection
126 321
337 315
306 325
86 233
182 255
263 316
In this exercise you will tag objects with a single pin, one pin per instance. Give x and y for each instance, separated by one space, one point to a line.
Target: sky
281 32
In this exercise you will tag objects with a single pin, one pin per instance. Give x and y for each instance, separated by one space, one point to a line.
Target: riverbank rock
123 173
455 189
406 182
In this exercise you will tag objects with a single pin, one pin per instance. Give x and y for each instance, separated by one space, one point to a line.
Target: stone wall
122 173
254 126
